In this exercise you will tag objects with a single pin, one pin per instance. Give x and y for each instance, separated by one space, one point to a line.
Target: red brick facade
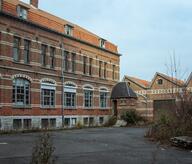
159 93
41 28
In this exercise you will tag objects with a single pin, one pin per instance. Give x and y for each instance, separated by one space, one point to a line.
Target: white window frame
90 90
105 91
51 87
23 83
70 88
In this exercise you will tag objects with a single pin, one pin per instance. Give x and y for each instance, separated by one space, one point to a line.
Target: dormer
68 29
22 11
102 43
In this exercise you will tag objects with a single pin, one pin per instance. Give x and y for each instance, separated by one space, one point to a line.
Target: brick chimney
34 3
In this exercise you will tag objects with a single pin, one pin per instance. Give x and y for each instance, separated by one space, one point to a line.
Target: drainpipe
62 76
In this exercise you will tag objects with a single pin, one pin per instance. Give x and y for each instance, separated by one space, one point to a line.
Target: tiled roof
171 79
55 23
122 90
138 81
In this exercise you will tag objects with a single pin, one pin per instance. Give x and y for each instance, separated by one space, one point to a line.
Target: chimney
34 3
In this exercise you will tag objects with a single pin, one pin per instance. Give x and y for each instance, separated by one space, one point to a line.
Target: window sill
70 108
88 108
22 107
17 62
47 68
47 108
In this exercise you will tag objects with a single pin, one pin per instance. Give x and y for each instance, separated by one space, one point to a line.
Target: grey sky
146 31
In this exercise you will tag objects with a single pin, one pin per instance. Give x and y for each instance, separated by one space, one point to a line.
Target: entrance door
115 113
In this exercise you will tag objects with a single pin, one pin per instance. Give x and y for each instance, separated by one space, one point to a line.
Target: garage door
163 107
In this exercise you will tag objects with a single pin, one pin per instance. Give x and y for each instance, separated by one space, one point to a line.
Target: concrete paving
94 146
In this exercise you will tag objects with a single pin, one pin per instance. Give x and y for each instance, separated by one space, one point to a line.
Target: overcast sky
147 32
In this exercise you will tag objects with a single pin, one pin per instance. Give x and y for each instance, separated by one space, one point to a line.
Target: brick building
159 95
52 72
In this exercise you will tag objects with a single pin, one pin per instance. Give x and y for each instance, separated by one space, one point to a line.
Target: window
26 51
91 121
44 123
22 12
43 55
73 121
101 120
102 43
113 74
69 30
67 121
17 124
84 64
103 98
21 91
100 65
69 95
73 58
105 70
85 121
27 123
52 57
90 66
88 97
66 60
159 81
16 48
53 123
48 95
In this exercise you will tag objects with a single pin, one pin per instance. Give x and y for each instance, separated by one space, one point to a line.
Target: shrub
112 120
131 117
43 150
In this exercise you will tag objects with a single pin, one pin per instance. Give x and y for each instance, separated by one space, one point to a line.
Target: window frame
88 97
73 62
50 88
105 70
84 65
43 54
52 57
16 48
66 61
68 30
103 101
22 12
26 95
100 69
26 51
90 66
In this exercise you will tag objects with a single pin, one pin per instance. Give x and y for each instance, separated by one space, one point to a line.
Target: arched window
88 96
70 95
21 91
103 97
48 94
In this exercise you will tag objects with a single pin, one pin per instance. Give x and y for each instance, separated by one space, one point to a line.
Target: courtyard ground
94 146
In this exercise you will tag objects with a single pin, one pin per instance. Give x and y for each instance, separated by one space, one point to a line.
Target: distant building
52 72
158 95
